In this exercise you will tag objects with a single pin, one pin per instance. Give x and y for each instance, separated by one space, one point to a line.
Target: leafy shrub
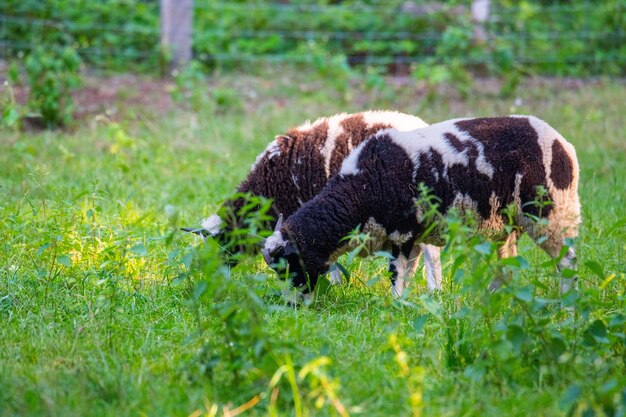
521 332
108 34
10 117
52 75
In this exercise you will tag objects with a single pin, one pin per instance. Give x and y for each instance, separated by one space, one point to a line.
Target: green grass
106 310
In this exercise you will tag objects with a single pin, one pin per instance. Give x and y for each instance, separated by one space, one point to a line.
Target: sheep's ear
279 223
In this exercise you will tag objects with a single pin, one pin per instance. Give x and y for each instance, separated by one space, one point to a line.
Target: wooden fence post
176 29
480 16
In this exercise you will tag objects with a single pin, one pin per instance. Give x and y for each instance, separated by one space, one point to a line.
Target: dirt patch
122 96
113 96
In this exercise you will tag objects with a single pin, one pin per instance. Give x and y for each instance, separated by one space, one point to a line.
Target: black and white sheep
482 165
296 166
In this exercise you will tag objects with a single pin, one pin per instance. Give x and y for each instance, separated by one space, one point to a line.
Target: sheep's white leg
553 246
334 275
507 250
568 262
432 266
398 268
413 260
402 267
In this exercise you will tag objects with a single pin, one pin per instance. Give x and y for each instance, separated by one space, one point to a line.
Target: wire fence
587 36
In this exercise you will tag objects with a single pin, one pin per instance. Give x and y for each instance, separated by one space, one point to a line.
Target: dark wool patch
454 142
295 174
298 174
511 146
349 201
561 168
355 131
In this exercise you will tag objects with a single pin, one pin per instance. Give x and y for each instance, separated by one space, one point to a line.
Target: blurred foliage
52 73
111 34
436 42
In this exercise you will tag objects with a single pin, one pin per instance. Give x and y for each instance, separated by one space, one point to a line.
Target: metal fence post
176 29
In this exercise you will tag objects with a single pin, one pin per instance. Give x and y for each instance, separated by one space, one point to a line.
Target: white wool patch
545 136
275 241
294 179
272 150
376 230
421 141
517 190
494 222
377 239
349 165
464 203
212 224
400 239
334 130
308 125
400 121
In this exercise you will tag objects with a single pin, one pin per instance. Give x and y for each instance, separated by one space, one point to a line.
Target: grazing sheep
478 165
296 166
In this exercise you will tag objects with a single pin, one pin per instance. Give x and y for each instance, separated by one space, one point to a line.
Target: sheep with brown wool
296 166
480 165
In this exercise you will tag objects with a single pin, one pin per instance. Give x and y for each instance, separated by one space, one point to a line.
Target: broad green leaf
596 333
64 260
42 248
419 322
474 372
524 294
596 268
431 305
373 281
570 397
556 346
187 259
515 261
139 250
484 248
516 335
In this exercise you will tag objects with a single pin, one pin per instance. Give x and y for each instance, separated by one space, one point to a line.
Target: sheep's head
283 257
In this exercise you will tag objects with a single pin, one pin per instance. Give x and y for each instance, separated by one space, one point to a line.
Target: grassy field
106 309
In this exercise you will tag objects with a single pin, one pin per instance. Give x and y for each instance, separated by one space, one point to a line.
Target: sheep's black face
285 260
